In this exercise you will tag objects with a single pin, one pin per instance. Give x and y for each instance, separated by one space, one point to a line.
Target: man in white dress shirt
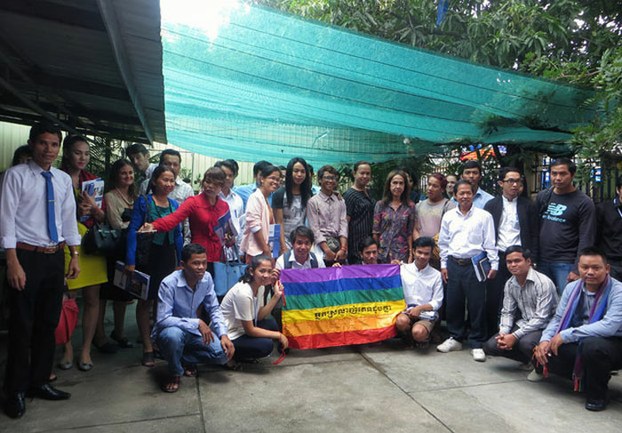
466 232
516 223
423 293
37 220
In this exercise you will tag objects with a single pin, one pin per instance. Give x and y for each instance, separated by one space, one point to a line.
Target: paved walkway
372 388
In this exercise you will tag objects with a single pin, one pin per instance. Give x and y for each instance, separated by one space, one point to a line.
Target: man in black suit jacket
516 223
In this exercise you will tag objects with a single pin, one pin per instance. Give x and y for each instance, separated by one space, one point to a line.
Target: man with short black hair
183 336
37 220
423 293
300 256
583 341
466 233
368 251
609 230
516 223
472 173
567 224
138 155
327 217
528 305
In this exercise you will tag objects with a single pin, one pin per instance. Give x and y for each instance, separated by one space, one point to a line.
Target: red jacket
203 218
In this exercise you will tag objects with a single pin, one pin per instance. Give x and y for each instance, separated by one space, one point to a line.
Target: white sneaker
478 355
534 376
449 345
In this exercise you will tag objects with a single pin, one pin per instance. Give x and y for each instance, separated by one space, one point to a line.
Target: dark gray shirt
567 225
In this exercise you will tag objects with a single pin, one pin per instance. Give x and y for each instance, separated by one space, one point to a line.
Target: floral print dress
394 227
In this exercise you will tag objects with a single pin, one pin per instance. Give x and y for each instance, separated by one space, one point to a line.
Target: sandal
65 365
123 342
149 360
171 385
191 371
107 347
232 365
53 377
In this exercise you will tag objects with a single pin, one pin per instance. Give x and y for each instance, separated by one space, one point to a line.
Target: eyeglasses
330 178
513 181
274 178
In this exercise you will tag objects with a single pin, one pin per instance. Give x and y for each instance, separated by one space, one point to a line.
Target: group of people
460 250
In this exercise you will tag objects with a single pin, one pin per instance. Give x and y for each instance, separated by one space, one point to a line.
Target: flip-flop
148 359
171 385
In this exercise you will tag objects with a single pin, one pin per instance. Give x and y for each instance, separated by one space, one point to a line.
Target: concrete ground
371 388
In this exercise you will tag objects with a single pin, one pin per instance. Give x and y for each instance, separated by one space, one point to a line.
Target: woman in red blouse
209 217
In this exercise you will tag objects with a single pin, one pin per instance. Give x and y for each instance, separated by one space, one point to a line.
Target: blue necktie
49 193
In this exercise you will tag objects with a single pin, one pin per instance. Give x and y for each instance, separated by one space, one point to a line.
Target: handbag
101 239
227 273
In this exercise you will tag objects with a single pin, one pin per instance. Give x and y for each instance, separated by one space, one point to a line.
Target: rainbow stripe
341 306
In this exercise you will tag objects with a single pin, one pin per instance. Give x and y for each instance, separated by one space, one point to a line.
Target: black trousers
34 314
599 355
494 296
522 350
464 288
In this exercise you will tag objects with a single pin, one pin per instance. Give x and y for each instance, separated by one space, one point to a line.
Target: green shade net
274 86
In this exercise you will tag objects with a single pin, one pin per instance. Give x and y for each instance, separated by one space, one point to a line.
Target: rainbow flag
341 306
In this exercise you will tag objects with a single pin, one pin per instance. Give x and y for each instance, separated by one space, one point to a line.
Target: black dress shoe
596 405
15 405
48 392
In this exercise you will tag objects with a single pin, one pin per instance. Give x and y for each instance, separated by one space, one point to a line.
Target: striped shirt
360 209
534 304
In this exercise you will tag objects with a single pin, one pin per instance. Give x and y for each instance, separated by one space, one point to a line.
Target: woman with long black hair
290 202
250 327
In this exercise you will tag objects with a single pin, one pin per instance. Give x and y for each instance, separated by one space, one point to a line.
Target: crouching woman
251 328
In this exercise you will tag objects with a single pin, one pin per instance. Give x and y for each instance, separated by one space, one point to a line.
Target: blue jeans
557 272
181 347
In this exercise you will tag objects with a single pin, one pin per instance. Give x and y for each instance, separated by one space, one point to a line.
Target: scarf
596 313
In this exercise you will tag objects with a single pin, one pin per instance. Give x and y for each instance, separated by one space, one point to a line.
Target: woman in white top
251 328
259 215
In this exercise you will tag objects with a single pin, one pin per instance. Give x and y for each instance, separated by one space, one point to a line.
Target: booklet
481 264
94 188
136 283
274 239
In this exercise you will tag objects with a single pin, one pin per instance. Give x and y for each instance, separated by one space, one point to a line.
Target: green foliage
602 139
575 41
